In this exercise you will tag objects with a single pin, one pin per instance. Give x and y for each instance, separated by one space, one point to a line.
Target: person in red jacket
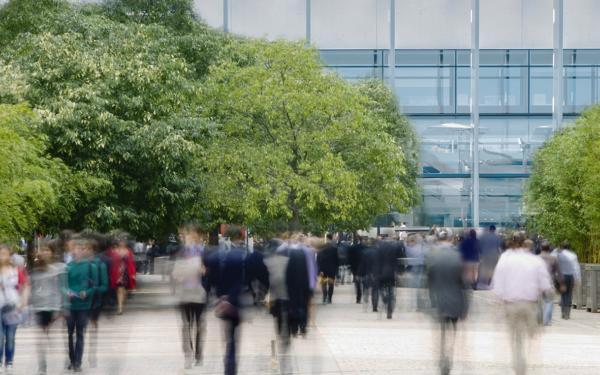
122 271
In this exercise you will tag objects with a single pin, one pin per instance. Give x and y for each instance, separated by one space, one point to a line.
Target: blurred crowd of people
77 277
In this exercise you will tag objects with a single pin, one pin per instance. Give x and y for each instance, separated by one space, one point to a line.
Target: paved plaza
343 338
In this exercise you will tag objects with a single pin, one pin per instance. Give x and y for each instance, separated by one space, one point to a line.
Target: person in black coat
445 282
355 254
327 260
372 272
388 259
227 268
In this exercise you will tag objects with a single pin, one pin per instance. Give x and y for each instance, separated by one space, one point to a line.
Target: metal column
557 63
308 22
226 15
475 108
392 57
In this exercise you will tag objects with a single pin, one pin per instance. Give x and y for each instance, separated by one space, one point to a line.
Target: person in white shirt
519 279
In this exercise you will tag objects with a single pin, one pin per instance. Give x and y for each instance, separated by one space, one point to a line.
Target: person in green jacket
91 250
82 276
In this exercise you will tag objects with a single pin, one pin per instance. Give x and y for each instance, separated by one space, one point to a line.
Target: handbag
10 314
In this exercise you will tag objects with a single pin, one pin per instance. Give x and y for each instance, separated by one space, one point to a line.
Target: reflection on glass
445 146
541 89
422 58
351 57
506 143
500 201
446 202
503 90
581 88
425 90
353 74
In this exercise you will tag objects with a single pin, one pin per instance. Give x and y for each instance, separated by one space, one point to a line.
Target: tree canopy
118 100
150 119
563 195
34 188
299 145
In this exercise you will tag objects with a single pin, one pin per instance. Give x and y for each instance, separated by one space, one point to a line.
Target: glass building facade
515 104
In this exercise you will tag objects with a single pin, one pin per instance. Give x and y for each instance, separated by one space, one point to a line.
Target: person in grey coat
445 282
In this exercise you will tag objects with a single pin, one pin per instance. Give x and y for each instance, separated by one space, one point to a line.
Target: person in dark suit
388 259
355 254
372 272
327 260
228 270
445 282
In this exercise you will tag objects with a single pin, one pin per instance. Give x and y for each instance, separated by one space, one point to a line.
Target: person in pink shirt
519 280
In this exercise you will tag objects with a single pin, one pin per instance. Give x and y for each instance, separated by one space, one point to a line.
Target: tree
118 100
32 185
297 144
563 195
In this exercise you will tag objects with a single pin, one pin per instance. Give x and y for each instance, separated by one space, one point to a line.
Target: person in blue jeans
14 292
557 278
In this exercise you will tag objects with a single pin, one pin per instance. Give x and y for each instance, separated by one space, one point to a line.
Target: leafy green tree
563 195
298 145
35 190
119 101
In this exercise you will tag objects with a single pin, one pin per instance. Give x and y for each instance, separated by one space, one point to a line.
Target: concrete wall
420 24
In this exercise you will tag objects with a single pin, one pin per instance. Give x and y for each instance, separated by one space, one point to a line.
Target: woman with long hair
14 294
48 279
122 271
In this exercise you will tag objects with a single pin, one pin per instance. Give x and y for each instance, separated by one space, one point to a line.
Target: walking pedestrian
48 280
327 260
388 258
192 302
228 269
445 283
16 287
557 278
471 250
355 255
92 252
82 280
491 249
519 280
152 252
122 272
569 266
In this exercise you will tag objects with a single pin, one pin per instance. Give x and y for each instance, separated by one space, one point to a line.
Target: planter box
580 292
592 276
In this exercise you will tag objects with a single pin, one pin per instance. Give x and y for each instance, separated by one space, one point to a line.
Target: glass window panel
353 74
506 143
446 202
445 144
503 57
463 57
585 57
541 89
348 57
503 90
463 90
422 57
425 90
581 88
541 57
500 201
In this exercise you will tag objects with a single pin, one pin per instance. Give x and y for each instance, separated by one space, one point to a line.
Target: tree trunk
294 226
30 254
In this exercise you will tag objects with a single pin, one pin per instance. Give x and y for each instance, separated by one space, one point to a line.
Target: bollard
274 361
